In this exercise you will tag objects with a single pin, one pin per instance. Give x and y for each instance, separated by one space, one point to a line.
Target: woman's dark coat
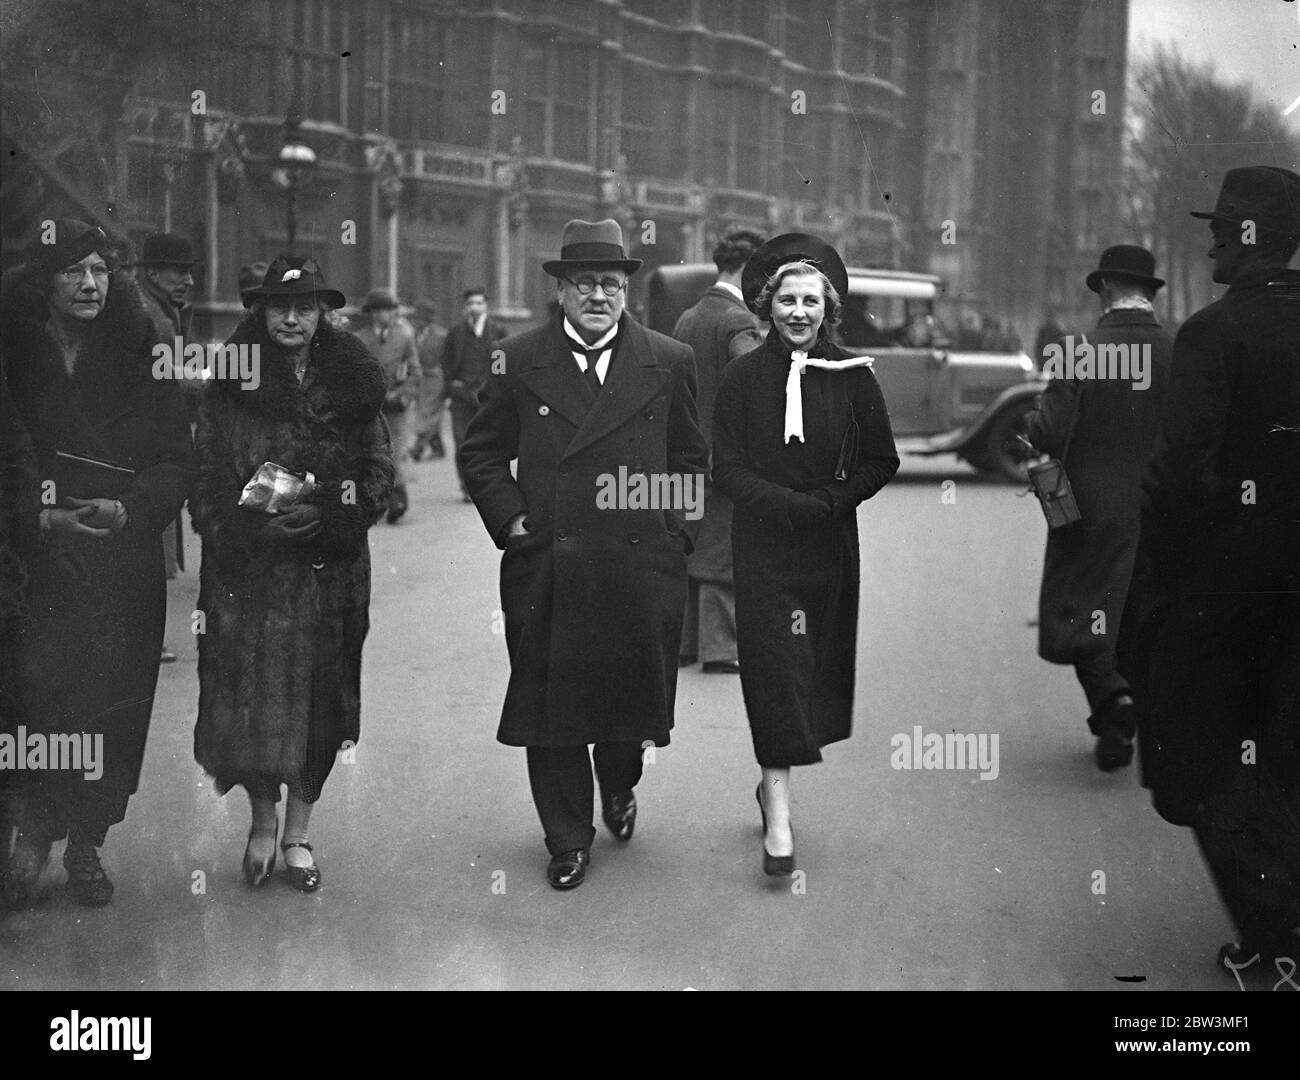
593 597
92 631
1088 565
796 584
280 655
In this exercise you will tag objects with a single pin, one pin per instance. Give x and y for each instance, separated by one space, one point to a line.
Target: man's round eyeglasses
587 286
76 273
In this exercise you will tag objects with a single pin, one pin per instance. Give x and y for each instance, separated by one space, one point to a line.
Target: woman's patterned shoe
303 878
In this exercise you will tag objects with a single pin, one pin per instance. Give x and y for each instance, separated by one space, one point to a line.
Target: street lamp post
295 164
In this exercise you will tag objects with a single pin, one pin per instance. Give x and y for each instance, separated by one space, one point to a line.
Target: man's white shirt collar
731 289
603 342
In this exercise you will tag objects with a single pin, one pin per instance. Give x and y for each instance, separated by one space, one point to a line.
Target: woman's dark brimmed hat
792 247
591 243
1127 262
72 241
293 275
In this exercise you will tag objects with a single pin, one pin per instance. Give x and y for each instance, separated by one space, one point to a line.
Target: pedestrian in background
797 450
1221 535
430 402
250 280
76 351
166 276
391 341
1104 430
718 328
466 364
286 596
593 595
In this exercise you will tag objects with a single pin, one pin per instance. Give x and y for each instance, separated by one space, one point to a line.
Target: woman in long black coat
794 534
76 347
286 595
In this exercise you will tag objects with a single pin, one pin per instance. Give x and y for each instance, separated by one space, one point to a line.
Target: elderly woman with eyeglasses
801 437
110 452
294 469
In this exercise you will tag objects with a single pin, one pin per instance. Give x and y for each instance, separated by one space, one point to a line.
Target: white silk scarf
794 386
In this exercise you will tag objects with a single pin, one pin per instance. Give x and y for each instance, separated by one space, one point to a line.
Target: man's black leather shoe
568 869
620 814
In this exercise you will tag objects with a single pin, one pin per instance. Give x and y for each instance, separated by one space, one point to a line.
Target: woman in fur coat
97 459
286 595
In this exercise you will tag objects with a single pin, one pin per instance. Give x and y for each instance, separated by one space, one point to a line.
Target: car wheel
1002 452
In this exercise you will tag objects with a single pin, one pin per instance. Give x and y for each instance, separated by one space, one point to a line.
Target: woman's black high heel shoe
302 878
773 865
257 871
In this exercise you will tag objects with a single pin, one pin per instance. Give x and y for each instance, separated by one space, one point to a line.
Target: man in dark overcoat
718 328
596 408
1101 411
466 363
1221 535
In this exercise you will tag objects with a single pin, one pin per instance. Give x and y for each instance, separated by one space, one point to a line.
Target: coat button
561 534
543 410
564 472
633 538
650 414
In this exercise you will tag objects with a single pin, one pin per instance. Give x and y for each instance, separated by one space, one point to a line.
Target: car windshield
882 321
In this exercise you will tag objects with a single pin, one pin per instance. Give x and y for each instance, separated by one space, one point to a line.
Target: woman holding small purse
801 436
294 469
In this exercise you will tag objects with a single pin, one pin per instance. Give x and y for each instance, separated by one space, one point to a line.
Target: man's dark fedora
792 247
1265 194
293 275
591 243
1127 261
167 249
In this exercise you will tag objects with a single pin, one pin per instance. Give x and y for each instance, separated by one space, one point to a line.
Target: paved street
432 854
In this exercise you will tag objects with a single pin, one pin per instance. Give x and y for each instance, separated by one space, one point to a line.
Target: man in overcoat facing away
1221 540
1101 420
593 575
718 328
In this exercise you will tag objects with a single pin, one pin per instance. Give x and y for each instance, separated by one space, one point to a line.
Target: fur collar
346 381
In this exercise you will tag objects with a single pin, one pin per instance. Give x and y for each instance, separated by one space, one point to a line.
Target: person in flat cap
801 437
285 584
1221 536
112 446
1100 419
390 340
600 413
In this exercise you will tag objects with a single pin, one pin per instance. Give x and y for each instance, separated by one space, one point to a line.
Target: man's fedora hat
73 240
1126 261
1264 194
379 298
591 243
792 247
293 275
250 277
167 249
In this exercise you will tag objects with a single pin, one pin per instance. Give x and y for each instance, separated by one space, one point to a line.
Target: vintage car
971 404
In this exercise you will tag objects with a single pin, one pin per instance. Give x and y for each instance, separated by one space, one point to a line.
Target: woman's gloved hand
296 526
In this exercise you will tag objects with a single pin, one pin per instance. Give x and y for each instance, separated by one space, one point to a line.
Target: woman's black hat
792 247
293 275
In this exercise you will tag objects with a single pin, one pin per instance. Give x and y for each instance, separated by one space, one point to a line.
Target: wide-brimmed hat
293 275
792 247
1127 261
379 298
68 242
167 249
591 243
1265 194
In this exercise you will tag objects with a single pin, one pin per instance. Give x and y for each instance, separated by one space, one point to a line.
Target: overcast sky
1255 41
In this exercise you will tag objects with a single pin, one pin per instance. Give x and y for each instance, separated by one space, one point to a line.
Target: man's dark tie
592 355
